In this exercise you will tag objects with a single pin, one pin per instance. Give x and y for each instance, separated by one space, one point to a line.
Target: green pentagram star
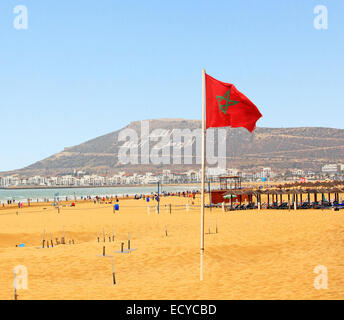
229 102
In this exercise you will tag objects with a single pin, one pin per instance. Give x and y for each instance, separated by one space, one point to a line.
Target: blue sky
85 68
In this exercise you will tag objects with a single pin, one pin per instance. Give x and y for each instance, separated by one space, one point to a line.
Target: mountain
279 148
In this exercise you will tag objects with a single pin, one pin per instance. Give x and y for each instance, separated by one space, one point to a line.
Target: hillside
279 148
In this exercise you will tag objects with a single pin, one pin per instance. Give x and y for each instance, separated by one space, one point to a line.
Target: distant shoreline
90 187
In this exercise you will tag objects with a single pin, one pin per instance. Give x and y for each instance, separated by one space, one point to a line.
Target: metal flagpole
209 193
158 197
203 174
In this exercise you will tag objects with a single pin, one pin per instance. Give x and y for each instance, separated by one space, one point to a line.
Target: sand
267 254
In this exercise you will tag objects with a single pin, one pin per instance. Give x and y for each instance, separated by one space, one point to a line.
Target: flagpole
203 174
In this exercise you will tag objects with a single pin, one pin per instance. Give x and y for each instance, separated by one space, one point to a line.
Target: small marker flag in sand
223 105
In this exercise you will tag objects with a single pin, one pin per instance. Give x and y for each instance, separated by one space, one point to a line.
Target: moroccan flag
228 107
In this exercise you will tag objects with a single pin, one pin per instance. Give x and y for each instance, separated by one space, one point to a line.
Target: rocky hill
279 148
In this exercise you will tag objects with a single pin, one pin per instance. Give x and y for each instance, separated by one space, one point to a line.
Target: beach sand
267 254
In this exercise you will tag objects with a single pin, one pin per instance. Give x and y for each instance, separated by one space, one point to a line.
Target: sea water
61 193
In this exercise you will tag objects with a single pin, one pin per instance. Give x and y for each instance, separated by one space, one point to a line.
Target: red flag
228 107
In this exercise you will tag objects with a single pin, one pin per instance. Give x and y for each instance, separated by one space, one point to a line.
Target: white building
329 168
232 172
266 173
193 176
298 172
215 172
3 182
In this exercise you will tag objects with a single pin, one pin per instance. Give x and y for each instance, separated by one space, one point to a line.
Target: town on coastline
83 179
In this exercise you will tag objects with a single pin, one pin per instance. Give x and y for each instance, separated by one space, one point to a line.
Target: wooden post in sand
113 234
103 250
113 272
166 230
15 285
43 242
63 239
217 231
122 245
128 241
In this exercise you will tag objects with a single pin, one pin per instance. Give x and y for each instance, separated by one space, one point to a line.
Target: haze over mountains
306 148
